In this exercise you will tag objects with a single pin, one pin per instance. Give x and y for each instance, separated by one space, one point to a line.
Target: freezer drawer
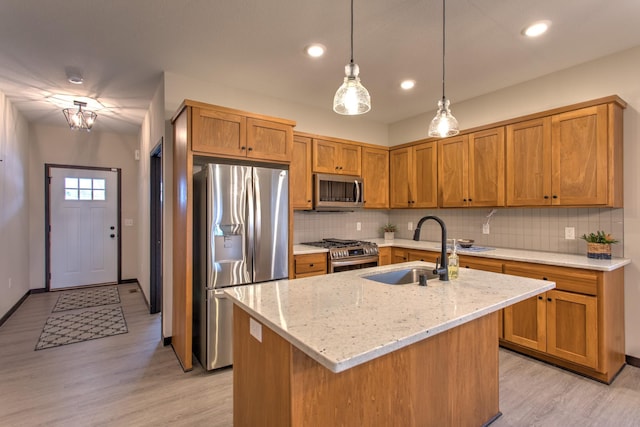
220 330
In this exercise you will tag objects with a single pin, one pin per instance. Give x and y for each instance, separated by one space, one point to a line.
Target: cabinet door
269 140
310 265
375 176
525 323
350 159
325 154
398 255
579 157
478 263
399 192
300 174
529 163
425 175
572 327
486 168
384 256
426 256
216 132
453 167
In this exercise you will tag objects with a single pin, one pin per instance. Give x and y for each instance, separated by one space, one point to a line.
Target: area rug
77 327
87 298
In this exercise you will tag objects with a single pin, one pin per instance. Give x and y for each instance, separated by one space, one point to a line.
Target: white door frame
47 210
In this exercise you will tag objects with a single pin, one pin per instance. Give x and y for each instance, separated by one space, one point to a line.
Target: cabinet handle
250 148
464 200
471 200
243 148
310 265
544 278
337 167
308 201
539 297
546 197
549 299
554 196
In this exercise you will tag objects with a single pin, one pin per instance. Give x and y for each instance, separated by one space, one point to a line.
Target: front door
83 227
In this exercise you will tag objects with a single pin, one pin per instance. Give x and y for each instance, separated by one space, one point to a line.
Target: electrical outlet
410 226
358 226
485 228
570 233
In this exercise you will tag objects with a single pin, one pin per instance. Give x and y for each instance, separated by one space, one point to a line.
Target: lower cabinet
384 255
579 325
310 265
405 255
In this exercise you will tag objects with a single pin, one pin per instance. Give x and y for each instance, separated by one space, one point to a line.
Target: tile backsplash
517 228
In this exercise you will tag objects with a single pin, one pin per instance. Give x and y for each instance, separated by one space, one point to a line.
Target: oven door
353 263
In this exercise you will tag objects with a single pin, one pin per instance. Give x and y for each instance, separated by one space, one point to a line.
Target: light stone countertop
523 255
343 320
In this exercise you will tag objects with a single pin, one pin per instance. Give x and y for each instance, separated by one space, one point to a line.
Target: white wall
62 146
322 121
14 206
613 75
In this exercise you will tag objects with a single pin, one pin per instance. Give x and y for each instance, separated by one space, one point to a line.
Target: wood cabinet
579 325
228 134
399 255
375 177
573 158
414 176
300 182
310 265
336 157
471 169
384 255
478 263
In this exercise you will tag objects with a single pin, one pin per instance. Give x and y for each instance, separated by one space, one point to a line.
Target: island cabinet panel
579 325
375 176
414 176
227 134
336 157
529 163
310 265
448 379
300 180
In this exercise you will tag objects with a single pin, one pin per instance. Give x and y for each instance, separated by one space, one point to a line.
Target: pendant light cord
351 31
443 37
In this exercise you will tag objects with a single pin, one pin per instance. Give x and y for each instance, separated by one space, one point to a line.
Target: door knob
112 227
112 236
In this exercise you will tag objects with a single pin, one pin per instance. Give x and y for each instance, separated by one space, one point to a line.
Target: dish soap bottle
453 262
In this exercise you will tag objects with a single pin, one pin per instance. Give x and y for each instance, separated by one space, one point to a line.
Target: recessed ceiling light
408 84
536 29
315 50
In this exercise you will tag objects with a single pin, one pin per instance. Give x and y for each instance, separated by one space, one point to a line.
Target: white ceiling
122 47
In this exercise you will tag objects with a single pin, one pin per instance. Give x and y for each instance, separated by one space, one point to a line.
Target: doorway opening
155 234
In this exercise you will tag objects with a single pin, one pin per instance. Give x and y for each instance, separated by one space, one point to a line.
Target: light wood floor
132 380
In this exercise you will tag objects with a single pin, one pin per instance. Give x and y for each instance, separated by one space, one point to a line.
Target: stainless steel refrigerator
241 224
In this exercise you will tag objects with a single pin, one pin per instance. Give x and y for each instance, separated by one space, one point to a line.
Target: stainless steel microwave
337 192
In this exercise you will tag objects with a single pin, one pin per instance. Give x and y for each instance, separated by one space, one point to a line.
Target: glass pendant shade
80 119
443 124
351 97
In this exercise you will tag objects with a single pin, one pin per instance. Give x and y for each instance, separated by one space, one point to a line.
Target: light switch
358 226
255 329
410 226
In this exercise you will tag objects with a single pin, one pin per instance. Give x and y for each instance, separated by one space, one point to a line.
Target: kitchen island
345 350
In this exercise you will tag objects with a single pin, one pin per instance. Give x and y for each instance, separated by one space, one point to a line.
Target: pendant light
443 124
80 119
351 98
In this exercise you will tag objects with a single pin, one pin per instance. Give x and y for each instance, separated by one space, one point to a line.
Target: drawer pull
549 299
539 297
310 265
544 278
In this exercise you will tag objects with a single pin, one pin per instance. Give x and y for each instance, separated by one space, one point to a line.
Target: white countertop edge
520 255
337 366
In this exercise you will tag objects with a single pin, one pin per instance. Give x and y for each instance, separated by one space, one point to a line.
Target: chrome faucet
443 270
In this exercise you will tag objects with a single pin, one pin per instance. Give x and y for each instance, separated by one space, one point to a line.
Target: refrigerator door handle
252 211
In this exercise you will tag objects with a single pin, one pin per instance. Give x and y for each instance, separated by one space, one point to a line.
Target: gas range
340 248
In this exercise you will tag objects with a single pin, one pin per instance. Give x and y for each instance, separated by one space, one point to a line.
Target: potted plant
389 230
599 244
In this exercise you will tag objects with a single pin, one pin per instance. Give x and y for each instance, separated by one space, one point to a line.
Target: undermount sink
402 277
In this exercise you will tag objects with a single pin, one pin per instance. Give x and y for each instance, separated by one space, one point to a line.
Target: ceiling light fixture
407 84
80 119
315 50
536 29
443 124
352 97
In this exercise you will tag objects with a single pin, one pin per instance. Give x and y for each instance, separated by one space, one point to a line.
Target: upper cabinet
300 174
471 169
414 176
375 176
573 158
228 134
336 157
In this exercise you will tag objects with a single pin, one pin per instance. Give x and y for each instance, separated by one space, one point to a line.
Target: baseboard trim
15 307
126 281
633 361
166 341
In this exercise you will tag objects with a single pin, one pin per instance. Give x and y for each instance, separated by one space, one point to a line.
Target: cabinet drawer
567 279
478 263
312 263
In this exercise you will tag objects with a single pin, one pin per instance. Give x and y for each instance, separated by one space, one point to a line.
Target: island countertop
343 319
